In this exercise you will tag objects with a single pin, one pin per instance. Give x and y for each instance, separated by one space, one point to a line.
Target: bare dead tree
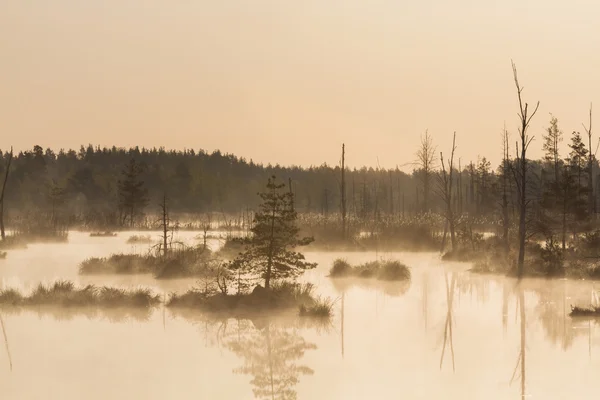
426 164
520 172
165 221
505 190
591 197
10 156
445 182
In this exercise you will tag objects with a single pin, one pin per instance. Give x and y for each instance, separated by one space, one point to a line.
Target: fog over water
447 334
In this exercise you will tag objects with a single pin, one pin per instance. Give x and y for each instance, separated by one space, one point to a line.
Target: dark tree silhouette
133 196
521 170
270 253
4 182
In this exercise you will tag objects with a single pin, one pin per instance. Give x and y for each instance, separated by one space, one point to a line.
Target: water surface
449 334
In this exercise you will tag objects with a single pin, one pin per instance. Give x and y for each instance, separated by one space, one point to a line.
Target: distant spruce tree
133 196
270 252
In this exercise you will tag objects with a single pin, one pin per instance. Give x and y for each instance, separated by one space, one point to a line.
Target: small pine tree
270 253
552 139
578 157
133 196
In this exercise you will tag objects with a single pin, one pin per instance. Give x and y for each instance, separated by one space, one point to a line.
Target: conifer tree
133 196
270 253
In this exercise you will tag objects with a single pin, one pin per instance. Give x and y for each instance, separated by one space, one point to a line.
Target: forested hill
86 181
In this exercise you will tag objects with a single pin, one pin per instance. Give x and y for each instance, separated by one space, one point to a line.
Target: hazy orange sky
289 81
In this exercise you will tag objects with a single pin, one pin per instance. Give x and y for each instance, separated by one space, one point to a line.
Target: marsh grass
118 264
321 308
385 270
281 296
391 232
13 242
65 294
184 263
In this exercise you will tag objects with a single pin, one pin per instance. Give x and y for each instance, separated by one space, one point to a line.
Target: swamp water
449 334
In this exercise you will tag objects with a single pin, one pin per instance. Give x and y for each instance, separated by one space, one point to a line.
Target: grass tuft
340 268
321 308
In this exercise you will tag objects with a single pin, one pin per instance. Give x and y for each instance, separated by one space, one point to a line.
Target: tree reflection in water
521 356
449 320
7 347
271 354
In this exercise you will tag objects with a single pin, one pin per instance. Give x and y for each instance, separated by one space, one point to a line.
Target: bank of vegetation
65 294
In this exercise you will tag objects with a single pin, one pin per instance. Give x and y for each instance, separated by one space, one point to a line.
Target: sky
288 82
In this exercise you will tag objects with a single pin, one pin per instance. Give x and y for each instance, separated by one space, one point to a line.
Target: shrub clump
388 270
64 293
340 268
2 255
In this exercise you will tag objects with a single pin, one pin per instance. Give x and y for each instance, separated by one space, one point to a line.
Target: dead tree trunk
591 198
165 225
521 171
10 156
445 190
505 166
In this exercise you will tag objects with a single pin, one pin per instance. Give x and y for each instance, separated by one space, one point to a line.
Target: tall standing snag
520 172
591 197
446 179
165 221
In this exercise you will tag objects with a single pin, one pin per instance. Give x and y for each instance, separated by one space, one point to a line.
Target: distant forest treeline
81 183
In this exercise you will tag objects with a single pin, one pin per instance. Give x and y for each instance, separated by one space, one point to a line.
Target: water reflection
390 339
271 348
393 289
6 345
449 320
523 348
116 315
272 357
